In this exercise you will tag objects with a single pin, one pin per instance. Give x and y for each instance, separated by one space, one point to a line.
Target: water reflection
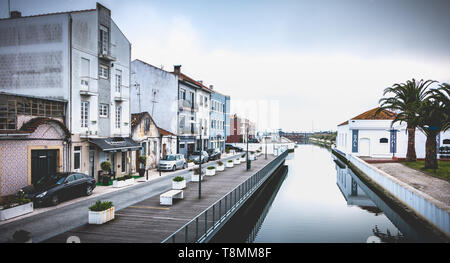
318 200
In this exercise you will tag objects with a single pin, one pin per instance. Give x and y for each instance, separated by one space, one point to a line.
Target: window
446 141
182 94
103 71
104 39
155 146
85 69
124 162
70 179
79 176
383 140
181 145
118 80
182 121
84 114
118 115
201 100
77 157
206 101
103 111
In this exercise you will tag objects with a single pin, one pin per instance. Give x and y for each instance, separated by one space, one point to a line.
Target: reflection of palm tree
388 237
406 100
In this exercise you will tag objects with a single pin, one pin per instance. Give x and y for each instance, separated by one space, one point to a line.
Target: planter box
117 184
229 165
189 165
16 211
210 172
178 185
251 157
243 159
236 161
101 217
195 177
220 168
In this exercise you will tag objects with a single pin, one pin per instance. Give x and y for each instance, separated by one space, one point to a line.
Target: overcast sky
322 62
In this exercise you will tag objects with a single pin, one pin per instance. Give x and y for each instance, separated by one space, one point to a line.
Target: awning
116 144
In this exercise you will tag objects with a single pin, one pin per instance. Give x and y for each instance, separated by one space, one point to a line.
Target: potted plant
227 150
190 163
178 183
242 158
123 181
196 175
252 156
101 212
237 161
143 161
13 206
220 166
106 172
229 163
210 171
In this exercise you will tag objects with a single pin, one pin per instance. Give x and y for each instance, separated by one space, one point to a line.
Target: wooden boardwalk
149 222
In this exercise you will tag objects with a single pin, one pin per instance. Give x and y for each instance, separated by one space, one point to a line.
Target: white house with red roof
371 135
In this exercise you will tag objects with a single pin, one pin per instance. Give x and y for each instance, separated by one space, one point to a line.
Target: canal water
315 198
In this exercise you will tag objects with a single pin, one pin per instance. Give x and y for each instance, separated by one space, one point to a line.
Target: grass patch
442 172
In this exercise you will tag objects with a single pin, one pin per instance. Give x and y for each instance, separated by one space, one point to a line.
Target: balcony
122 95
105 52
188 130
85 89
187 105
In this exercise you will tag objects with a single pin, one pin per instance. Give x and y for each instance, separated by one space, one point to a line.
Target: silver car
172 162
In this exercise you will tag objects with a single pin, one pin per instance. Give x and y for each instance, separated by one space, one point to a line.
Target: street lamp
200 161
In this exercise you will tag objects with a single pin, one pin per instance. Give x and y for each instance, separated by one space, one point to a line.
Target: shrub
227 150
106 166
178 179
100 206
14 200
196 171
220 163
211 168
142 159
243 156
230 161
252 152
125 177
190 161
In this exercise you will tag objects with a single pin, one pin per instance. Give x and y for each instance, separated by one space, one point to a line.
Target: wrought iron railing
203 225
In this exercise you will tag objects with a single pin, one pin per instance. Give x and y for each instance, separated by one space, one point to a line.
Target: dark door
190 149
91 163
43 162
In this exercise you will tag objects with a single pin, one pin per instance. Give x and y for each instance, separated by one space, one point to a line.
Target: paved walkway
46 222
432 186
148 221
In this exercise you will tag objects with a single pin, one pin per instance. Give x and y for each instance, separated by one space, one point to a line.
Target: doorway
364 147
43 162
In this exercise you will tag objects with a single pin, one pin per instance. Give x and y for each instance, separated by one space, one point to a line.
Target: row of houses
71 98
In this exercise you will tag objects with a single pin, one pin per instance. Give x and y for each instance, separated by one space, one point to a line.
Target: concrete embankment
425 213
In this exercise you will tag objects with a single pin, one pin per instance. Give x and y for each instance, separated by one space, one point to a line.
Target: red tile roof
370 115
182 76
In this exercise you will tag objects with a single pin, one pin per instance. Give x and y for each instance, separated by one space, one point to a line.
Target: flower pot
118 184
210 172
237 161
229 164
242 159
16 211
179 185
195 177
141 172
220 168
190 165
251 157
101 217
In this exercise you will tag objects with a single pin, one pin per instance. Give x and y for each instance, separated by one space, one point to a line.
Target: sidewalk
432 186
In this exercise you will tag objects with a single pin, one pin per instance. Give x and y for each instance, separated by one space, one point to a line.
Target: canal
316 198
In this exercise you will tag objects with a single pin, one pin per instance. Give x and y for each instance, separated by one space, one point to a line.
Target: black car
214 154
235 148
52 189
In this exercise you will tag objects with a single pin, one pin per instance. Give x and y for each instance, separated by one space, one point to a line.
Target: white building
371 135
83 58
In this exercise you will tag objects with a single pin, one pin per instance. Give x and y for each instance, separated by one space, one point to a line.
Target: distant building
220 111
238 129
371 135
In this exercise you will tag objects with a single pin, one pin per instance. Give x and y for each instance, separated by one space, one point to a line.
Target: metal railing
207 222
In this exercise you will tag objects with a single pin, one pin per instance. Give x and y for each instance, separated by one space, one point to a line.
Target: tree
405 102
434 118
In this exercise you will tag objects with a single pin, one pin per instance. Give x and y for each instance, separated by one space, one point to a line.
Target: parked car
195 156
172 162
232 147
214 154
54 188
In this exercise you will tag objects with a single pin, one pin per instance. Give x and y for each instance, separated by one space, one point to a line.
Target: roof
370 115
31 126
49 14
186 78
136 118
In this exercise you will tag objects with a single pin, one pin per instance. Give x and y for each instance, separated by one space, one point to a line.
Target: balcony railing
105 53
86 87
187 105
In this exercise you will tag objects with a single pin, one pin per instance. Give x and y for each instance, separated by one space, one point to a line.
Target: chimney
211 86
200 81
15 14
177 69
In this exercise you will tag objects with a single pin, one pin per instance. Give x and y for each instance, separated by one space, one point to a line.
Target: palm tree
406 100
434 118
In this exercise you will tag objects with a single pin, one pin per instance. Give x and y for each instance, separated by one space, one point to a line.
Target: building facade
370 135
218 118
33 140
83 58
238 129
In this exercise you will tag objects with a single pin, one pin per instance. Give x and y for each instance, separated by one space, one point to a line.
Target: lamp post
265 140
160 150
248 159
200 166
